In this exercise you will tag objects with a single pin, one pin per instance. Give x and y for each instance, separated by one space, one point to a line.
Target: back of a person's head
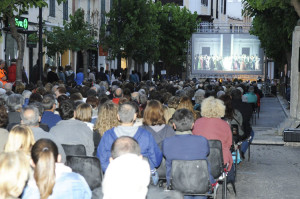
126 112
124 145
212 108
83 112
30 115
15 102
154 114
126 177
3 116
14 172
66 109
20 138
107 117
236 94
35 97
48 102
44 154
183 119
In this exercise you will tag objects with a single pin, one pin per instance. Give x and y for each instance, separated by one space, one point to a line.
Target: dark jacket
159 136
246 110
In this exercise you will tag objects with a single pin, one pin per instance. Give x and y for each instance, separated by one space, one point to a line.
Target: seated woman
212 127
53 179
14 172
83 113
154 121
20 138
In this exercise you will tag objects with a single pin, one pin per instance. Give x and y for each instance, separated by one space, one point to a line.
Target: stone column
295 87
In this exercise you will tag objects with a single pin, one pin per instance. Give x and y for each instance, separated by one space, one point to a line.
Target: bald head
124 145
118 93
30 116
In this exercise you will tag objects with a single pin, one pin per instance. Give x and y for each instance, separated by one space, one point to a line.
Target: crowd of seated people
171 120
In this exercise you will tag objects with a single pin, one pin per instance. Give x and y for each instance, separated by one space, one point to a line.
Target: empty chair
191 177
215 160
90 169
78 149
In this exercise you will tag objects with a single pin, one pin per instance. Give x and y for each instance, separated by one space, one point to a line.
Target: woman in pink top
212 127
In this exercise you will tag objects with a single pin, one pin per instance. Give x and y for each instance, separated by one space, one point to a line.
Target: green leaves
273 23
76 35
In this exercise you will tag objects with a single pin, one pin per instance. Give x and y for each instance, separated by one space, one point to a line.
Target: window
65 10
52 8
103 12
204 2
217 9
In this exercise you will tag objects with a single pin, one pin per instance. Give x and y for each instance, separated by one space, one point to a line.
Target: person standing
12 70
3 74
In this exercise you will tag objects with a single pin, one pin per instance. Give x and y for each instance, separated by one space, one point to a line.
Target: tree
9 10
133 31
273 23
176 27
77 35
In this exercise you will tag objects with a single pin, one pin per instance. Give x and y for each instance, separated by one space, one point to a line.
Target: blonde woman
107 117
53 179
20 138
14 172
84 113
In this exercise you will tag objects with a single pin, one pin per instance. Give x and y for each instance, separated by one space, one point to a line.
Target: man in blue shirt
48 116
184 145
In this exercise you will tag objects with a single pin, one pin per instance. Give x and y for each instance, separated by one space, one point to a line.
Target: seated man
184 145
48 116
71 131
126 182
149 148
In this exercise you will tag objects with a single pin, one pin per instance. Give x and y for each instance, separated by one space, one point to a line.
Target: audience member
72 131
53 179
48 116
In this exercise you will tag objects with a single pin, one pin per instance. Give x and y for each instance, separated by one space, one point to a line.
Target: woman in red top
212 127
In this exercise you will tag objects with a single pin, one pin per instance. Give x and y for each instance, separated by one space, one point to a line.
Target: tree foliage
273 23
133 30
148 32
176 27
77 35
9 9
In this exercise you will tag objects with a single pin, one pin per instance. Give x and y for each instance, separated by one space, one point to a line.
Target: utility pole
41 42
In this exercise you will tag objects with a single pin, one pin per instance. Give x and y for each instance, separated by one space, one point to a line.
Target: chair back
190 176
88 167
215 158
162 171
78 149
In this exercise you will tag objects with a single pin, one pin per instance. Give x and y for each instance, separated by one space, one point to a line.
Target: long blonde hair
14 172
107 117
20 138
44 154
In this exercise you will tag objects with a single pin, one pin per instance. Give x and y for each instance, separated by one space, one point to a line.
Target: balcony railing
205 27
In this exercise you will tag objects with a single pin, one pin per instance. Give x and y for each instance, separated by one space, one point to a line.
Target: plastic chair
191 177
216 162
78 149
88 167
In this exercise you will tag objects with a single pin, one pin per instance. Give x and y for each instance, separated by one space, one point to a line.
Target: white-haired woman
212 127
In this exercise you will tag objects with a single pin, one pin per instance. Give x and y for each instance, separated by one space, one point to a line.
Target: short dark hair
124 145
183 119
66 109
236 94
48 101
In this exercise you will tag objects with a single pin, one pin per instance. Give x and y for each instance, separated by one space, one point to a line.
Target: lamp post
119 34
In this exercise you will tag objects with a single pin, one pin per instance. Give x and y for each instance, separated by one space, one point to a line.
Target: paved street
273 170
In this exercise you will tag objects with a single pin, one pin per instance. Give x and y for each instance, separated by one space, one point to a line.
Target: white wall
234 9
